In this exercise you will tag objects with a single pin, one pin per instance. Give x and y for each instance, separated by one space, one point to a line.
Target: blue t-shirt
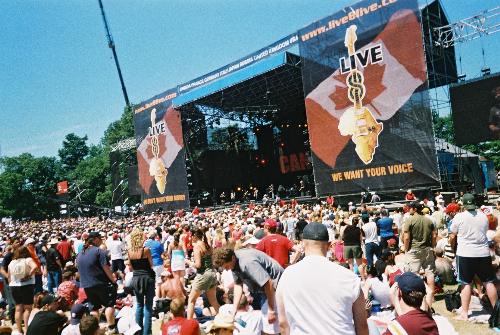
156 249
385 226
89 263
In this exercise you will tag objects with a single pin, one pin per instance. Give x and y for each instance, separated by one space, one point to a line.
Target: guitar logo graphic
357 121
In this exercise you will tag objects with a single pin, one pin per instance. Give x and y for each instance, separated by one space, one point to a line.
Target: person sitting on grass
407 295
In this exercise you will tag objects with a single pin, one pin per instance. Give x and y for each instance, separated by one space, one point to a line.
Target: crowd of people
275 268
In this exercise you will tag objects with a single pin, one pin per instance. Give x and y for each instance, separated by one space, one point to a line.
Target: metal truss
124 145
483 24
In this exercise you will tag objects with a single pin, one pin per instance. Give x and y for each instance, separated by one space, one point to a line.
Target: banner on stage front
365 80
160 154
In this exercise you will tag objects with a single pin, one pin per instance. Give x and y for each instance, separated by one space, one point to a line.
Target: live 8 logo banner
367 104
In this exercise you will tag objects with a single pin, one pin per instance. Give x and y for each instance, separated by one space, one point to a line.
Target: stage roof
276 80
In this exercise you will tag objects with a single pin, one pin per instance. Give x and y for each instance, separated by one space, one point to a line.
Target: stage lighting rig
486 71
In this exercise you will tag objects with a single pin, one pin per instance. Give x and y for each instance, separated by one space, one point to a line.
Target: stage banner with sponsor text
367 104
160 154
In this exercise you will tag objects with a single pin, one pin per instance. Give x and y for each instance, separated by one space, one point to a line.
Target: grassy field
462 327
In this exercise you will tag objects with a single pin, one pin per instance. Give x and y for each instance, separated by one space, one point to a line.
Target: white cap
253 240
29 241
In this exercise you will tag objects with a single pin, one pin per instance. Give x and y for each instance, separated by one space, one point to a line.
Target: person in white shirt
468 231
371 241
115 248
316 296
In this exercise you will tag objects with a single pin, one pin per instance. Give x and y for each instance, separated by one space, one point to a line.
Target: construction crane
485 23
111 45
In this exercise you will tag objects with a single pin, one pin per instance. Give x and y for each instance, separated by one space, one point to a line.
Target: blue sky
57 74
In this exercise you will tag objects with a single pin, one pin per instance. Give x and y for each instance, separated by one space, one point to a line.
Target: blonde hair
136 239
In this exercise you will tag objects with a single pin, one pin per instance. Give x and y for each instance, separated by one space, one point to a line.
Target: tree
121 129
74 150
443 127
230 138
90 176
28 186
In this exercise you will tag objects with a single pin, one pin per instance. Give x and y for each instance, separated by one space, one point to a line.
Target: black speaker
134 188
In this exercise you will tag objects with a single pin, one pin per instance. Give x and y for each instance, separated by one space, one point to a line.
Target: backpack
452 300
19 268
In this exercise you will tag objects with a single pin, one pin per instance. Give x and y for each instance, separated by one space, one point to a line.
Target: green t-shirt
420 229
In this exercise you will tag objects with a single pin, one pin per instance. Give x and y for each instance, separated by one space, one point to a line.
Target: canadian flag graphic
170 143
389 85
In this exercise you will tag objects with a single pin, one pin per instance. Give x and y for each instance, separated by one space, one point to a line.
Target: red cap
452 208
270 223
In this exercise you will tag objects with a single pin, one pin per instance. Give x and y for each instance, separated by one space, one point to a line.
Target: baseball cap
29 241
410 282
271 223
260 234
93 234
252 240
77 312
315 231
468 201
452 208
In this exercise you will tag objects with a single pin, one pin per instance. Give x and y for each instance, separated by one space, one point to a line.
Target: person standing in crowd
299 227
407 295
275 245
332 304
384 225
54 266
206 278
179 324
64 248
419 241
51 319
468 234
352 243
30 244
143 280
187 242
261 273
157 250
410 196
115 248
21 274
371 240
177 256
97 279
4 269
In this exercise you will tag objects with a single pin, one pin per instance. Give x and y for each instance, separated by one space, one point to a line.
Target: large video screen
475 108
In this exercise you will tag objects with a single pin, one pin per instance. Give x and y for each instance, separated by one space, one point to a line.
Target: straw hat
221 322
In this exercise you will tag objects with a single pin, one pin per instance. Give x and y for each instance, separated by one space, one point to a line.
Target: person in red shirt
187 239
410 196
275 245
179 325
407 295
64 248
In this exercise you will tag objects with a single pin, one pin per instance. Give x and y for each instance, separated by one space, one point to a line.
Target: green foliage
90 177
230 138
489 150
121 129
74 149
443 127
28 186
